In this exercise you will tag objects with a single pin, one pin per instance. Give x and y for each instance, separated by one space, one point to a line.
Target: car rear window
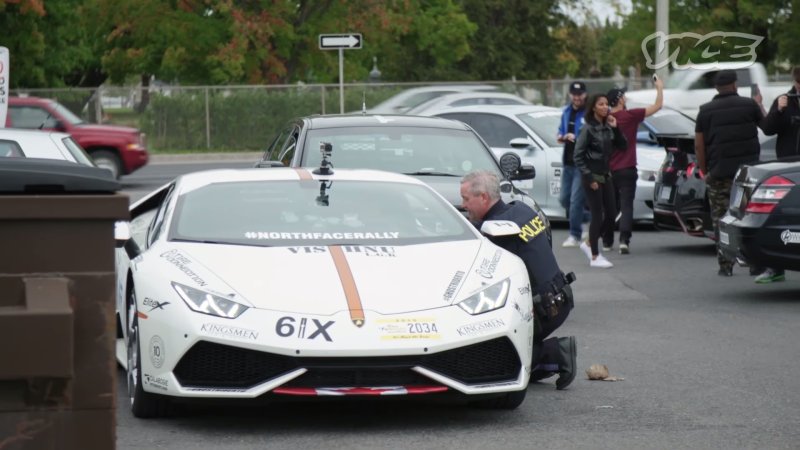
300 213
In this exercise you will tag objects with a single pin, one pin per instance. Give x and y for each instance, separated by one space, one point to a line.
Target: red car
119 149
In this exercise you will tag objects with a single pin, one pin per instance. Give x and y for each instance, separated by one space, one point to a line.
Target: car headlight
647 175
206 303
489 299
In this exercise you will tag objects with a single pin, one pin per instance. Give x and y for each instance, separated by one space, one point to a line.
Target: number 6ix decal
286 328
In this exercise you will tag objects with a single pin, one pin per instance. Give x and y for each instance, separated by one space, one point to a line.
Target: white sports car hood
324 280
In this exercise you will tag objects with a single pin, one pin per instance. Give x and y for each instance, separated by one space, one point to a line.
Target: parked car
400 103
762 226
680 199
119 149
16 143
530 131
468 99
437 151
253 283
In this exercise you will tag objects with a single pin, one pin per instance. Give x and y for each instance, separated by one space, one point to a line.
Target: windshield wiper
432 173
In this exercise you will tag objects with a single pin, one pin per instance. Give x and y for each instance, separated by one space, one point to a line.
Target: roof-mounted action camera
326 149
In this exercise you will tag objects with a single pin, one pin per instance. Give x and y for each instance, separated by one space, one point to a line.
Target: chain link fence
244 118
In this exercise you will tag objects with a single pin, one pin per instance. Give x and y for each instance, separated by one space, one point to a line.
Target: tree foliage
83 42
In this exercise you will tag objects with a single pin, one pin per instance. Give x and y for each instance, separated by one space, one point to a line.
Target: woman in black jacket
599 137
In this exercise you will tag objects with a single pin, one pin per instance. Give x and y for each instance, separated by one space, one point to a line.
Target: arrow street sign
340 41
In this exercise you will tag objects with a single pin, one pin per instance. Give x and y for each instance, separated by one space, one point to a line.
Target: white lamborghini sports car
256 283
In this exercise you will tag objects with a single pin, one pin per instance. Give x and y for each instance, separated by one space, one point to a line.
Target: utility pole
662 25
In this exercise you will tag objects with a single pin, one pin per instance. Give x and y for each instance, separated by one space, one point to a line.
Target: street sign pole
341 81
340 42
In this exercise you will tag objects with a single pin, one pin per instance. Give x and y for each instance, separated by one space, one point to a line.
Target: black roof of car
380 120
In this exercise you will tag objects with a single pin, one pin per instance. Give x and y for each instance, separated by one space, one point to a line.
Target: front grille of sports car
484 362
214 365
207 364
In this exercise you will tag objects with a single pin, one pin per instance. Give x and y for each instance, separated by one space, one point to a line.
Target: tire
143 404
108 160
509 400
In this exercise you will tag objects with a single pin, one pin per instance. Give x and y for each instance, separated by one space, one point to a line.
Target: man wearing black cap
623 163
725 138
572 196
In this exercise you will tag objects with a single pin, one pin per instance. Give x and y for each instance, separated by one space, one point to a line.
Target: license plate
665 192
736 197
555 187
724 238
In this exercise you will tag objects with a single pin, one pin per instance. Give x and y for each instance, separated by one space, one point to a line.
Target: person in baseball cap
577 88
615 96
725 77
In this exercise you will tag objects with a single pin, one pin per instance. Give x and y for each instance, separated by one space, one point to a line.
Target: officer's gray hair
481 181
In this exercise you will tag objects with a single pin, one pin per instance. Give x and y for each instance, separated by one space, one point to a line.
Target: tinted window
293 213
496 130
30 117
10 149
544 124
401 149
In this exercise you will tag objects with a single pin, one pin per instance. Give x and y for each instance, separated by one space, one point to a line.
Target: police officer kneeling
480 196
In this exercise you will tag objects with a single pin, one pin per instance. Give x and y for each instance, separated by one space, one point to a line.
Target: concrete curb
217 156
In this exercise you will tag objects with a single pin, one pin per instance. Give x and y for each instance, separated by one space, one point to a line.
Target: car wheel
108 160
143 404
509 400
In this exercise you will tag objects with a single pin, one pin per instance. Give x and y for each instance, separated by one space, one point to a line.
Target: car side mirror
267 164
500 228
525 172
521 144
122 232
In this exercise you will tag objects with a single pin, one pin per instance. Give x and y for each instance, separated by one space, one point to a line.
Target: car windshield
544 124
408 150
304 213
66 114
669 121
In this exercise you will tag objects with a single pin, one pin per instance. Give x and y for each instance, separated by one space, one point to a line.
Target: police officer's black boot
566 361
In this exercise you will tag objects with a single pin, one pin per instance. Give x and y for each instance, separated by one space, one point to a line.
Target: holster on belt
547 304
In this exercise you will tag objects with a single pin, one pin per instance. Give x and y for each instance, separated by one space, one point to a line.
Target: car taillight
768 194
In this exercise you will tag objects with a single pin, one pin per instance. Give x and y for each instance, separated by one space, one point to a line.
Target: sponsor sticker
303 328
480 327
154 304
453 286
228 331
182 263
274 235
366 250
157 351
156 382
488 266
407 328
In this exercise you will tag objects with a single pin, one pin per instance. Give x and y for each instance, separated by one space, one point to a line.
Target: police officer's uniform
554 300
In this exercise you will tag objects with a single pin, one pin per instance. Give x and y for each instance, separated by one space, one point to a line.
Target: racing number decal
286 328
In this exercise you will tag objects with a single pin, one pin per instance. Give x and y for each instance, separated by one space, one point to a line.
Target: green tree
514 38
48 43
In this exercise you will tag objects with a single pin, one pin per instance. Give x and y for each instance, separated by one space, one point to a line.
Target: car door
498 130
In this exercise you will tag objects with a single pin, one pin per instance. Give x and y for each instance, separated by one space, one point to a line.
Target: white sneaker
571 242
624 249
585 235
609 248
586 250
601 262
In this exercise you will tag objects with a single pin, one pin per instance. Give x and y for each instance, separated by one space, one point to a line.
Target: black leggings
603 207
